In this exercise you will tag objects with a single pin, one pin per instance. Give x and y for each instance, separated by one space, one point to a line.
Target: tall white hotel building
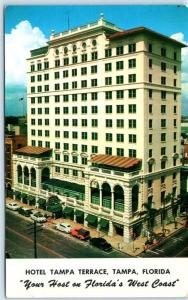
104 109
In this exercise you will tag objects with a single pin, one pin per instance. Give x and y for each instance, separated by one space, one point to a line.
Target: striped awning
115 161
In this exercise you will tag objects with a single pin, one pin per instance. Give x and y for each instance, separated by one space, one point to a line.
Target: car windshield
38 214
83 232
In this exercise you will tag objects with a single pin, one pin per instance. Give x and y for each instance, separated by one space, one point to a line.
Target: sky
29 27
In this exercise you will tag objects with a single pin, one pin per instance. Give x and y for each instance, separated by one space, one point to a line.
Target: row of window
162 180
163 66
163 80
163 165
94 109
163 137
163 151
66 171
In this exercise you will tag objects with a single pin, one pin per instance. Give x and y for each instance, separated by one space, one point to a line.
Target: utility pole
34 230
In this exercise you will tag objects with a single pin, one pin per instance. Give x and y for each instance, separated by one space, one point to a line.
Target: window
163 150
163 66
84 109
132 153
47 122
108 67
66 171
108 52
150 168
94 123
94 136
93 69
66 122
46 65
93 82
132 123
175 82
175 69
132 48
108 80
74 59
57 86
150 152
57 145
132 78
74 85
57 110
119 50
32 111
174 149
84 135
57 63
32 121
39 99
120 94
109 137
150 92
150 48
39 121
175 136
39 89
150 63
84 122
150 108
132 93
163 95
174 175
150 138
84 57
46 99
32 68
75 173
32 78
132 63
83 83
163 164
119 65
120 123
65 74
57 169
66 146
83 71
39 110
163 123
74 72
65 85
57 122
175 55
39 77
120 152
175 109
163 52
66 61
175 123
65 98
119 137
84 97
74 122
74 109
84 160
132 138
66 134
108 95
39 67
32 131
108 123
46 88
74 134
119 79
163 80
94 109
39 132
150 124
94 149
84 148
94 56
163 137
47 144
108 150
66 158
74 97
32 100
163 109
150 77
108 109
120 109
46 76
94 96
57 156
75 159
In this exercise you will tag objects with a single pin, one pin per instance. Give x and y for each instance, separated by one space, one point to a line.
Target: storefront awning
91 219
42 201
104 223
68 210
54 208
24 195
79 213
30 198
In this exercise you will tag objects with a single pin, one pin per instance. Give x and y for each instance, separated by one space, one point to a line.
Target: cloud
18 44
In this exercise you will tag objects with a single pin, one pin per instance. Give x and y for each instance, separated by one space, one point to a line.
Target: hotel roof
30 150
115 161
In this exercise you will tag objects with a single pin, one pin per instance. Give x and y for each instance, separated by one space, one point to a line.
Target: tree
150 214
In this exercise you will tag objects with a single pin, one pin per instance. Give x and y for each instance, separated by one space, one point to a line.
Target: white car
38 216
12 206
65 227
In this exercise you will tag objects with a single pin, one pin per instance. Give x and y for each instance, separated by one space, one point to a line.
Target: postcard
96 151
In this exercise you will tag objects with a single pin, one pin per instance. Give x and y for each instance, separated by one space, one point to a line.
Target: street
174 246
50 243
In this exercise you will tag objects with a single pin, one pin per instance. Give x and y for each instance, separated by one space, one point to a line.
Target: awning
24 195
115 161
41 201
16 193
54 208
118 225
79 213
68 210
104 223
91 219
30 198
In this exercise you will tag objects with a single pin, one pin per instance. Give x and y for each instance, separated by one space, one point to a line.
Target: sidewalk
133 248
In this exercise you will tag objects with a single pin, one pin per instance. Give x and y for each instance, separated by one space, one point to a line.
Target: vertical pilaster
127 234
111 229
127 202
85 222
112 203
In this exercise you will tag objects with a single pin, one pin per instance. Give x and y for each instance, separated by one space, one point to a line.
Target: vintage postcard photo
96 150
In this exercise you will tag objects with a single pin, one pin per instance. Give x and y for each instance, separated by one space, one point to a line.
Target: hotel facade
103 109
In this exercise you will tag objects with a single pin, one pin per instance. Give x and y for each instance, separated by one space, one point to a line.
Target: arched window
106 195
45 174
26 175
33 177
118 198
135 191
19 174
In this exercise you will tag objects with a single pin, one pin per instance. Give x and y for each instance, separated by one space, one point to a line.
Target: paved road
175 246
50 243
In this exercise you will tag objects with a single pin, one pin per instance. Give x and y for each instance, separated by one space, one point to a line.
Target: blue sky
30 27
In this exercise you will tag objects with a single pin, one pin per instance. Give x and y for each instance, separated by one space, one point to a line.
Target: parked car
12 206
25 211
65 227
80 233
38 216
101 243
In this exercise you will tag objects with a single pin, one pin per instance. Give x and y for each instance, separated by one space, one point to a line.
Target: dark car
101 243
25 211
